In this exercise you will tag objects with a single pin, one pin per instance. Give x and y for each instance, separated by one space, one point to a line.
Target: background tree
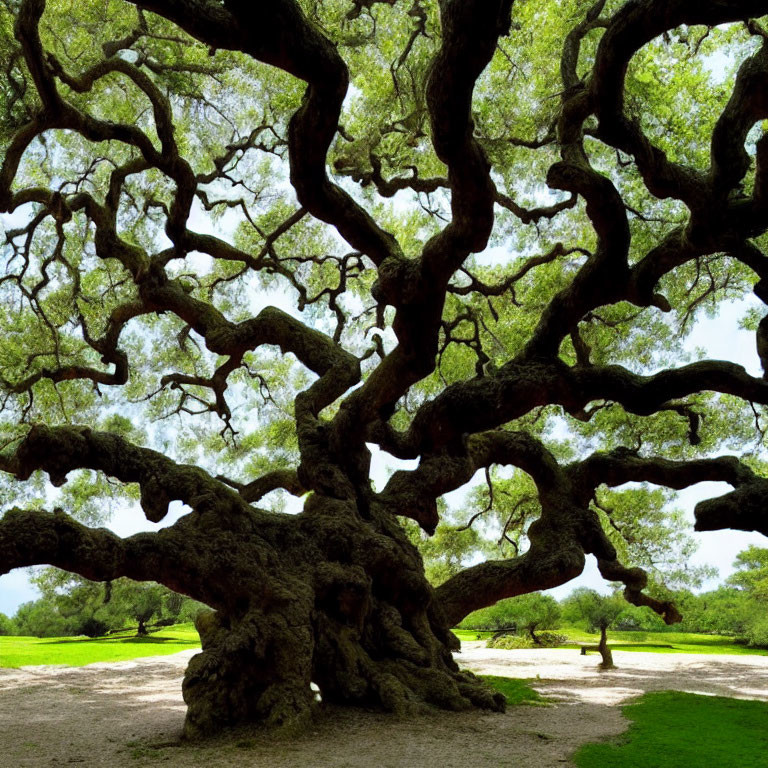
527 613
84 607
77 606
140 602
488 232
7 626
751 574
725 611
533 613
751 579
600 612
41 618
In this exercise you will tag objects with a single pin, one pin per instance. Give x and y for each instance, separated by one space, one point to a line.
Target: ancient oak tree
247 244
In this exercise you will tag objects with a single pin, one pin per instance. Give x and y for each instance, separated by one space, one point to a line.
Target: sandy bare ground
568 677
130 714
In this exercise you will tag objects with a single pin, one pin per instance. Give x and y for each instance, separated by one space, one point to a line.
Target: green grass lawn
76 651
515 691
470 634
654 642
670 730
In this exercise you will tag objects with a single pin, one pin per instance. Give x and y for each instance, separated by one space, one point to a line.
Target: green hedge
510 642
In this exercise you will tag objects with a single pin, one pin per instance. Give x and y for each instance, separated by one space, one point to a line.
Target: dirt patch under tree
131 713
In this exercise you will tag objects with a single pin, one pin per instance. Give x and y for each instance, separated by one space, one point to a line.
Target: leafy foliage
543 640
7 626
527 613
75 606
599 611
751 574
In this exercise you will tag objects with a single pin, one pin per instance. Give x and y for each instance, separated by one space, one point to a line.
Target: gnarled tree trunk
344 605
334 596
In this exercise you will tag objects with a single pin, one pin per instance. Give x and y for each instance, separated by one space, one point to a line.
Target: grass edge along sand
77 651
671 729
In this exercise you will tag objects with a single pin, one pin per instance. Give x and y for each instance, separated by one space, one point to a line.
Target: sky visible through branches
720 337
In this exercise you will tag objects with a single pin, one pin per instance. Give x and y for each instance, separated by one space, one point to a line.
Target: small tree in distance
535 612
600 611
525 614
139 602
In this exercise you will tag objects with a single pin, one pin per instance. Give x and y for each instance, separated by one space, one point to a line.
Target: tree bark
348 609
605 651
334 596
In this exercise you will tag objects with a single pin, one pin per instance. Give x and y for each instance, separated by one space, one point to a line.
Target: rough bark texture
328 598
337 595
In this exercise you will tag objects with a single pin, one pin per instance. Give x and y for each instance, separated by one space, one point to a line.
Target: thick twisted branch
281 35
60 450
30 537
417 289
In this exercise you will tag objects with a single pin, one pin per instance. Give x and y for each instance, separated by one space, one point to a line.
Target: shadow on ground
131 713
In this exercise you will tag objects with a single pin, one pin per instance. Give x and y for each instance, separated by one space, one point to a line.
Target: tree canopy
247 243
598 611
752 572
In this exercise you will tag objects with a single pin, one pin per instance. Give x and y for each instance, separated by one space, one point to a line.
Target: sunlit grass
672 730
77 651
664 642
469 634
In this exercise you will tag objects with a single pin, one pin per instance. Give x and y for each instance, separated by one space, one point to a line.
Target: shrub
757 633
93 627
511 642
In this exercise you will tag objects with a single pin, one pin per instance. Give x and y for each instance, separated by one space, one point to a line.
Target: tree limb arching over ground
361 154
